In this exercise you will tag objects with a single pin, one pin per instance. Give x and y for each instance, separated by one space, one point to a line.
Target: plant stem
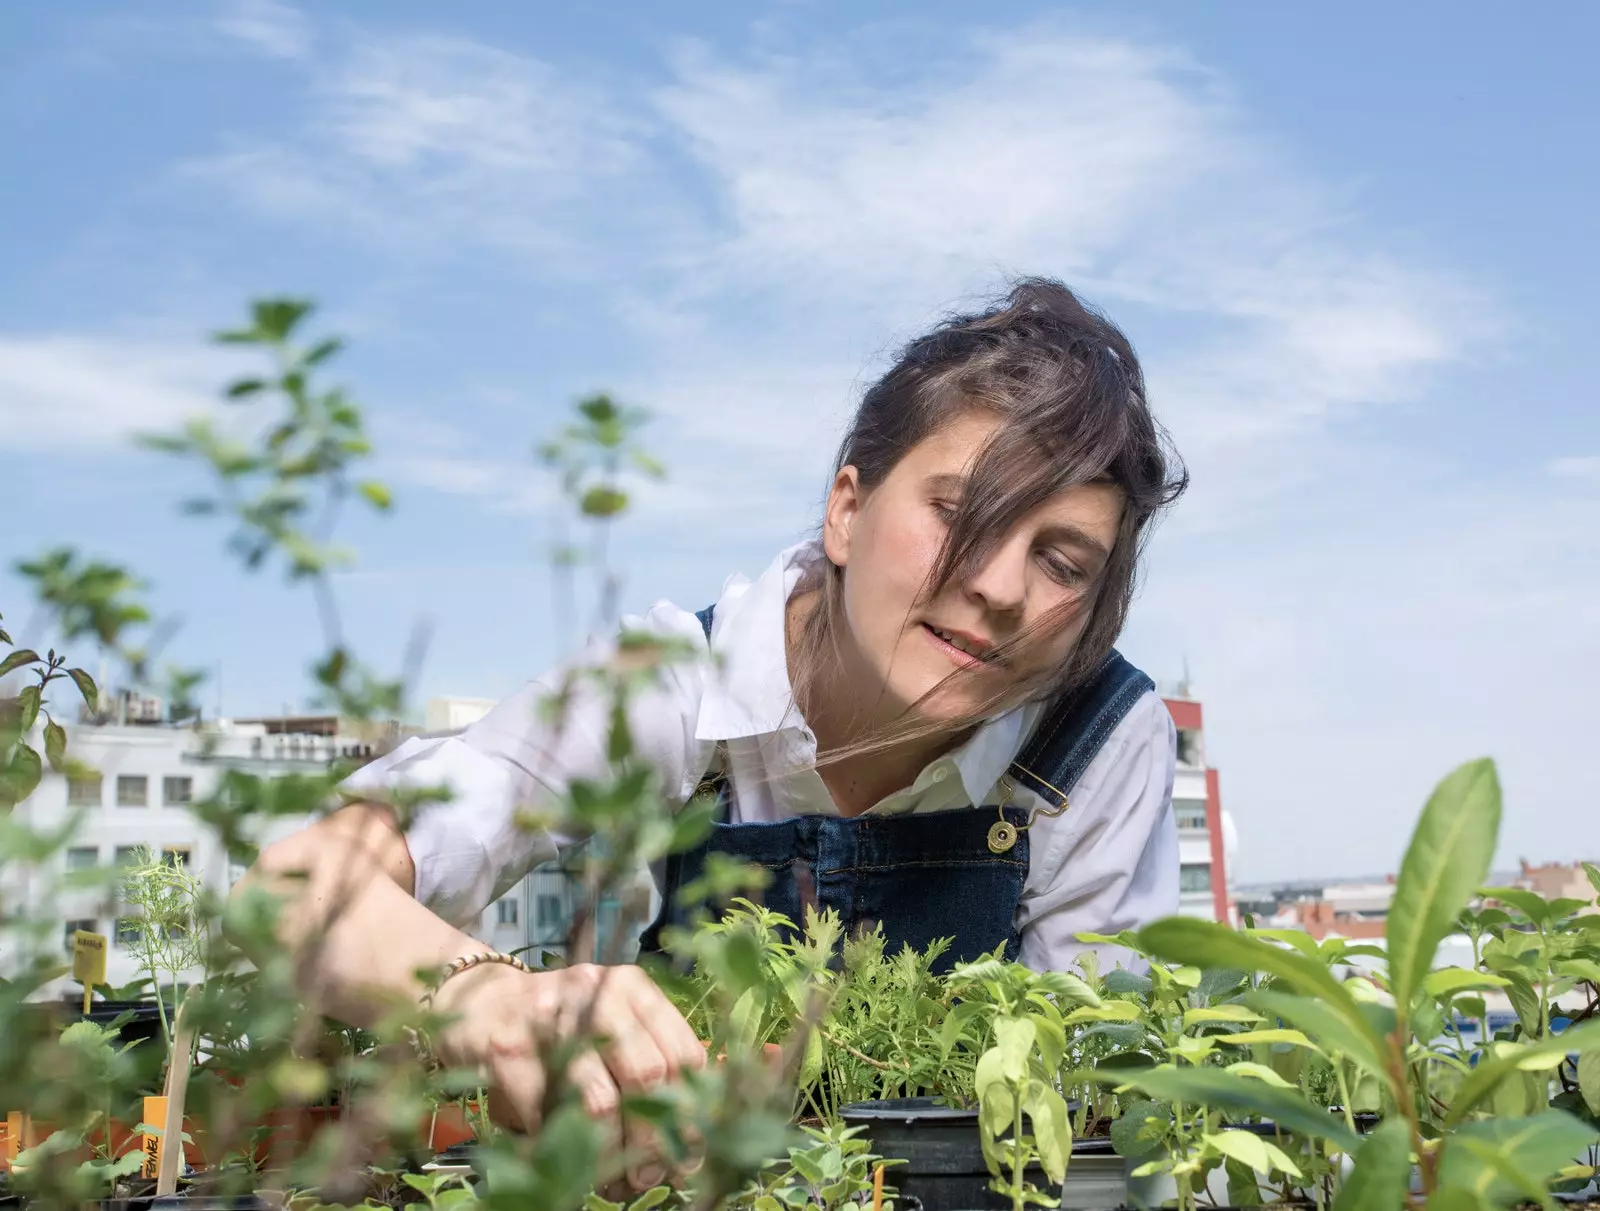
1344 1094
1018 1154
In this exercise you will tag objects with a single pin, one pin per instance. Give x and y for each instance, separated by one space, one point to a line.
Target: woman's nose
1001 581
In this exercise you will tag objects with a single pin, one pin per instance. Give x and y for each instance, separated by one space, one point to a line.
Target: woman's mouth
965 652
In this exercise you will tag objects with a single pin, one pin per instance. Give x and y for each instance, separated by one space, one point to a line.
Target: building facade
1197 805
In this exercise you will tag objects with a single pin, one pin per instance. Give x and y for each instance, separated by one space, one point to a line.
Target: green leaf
603 500
1219 1013
1243 1189
1190 940
17 659
1260 1072
1065 986
1381 1177
1052 1128
245 386
1505 1157
27 708
1593 871
1247 1038
1325 1024
376 494
1141 1128
1447 981
1589 1079
1246 1147
1106 1011
1014 1039
1222 1090
1446 862
321 352
1481 1082
86 687
1529 903
21 777
55 746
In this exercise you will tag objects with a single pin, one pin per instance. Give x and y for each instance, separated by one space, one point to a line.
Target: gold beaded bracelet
454 968
465 963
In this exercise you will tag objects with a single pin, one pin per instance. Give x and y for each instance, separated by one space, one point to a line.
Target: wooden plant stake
177 1090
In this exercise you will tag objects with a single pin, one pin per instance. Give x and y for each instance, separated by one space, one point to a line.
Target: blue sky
1356 251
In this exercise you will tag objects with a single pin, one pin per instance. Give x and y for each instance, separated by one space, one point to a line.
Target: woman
902 711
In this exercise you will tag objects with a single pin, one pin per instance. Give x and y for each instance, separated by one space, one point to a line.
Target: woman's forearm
349 918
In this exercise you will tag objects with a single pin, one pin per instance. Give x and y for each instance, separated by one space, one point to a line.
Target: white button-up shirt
1110 862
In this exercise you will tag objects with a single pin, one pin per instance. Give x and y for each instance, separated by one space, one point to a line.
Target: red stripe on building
1185 714
1219 869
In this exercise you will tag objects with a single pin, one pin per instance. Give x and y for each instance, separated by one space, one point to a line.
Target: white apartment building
1205 834
149 774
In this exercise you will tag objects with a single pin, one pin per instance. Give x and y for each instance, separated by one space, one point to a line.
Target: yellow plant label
14 1130
155 1113
88 957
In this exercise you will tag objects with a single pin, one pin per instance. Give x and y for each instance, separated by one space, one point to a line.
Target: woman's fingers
680 1048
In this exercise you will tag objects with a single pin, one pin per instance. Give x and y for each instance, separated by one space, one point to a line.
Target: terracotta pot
446 1127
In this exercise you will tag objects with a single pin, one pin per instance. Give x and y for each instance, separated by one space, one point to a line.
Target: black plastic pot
945 1169
143 1024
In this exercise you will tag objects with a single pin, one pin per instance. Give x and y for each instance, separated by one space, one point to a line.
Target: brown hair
1067 386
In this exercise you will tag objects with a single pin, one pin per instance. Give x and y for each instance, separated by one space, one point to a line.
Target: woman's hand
508 1019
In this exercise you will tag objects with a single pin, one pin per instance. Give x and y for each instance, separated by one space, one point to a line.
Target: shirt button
940 774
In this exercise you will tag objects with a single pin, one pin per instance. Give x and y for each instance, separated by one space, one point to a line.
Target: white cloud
428 144
268 27
81 394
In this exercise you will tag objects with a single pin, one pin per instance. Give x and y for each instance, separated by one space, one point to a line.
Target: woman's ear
844 505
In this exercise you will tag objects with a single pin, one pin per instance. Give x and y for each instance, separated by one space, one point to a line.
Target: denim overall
951 874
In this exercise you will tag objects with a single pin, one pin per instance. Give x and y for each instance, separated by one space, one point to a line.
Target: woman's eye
1061 569
944 509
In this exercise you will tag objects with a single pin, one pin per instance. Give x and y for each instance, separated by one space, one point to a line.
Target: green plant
831 1170
1464 1158
167 930
21 767
1022 1116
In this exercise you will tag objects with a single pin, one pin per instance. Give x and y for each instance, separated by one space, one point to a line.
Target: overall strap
1075 727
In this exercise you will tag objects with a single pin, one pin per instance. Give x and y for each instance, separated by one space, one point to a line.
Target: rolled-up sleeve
1111 861
471 845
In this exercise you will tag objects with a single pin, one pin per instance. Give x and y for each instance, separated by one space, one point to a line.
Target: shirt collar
750 696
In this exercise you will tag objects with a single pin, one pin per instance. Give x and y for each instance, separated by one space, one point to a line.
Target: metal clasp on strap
1002 833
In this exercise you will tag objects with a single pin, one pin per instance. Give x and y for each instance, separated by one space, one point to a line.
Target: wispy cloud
268 27
431 143
75 394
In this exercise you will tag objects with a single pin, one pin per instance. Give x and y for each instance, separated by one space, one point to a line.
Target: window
177 792
505 912
547 911
88 925
127 855
82 857
1194 877
84 792
178 856
1190 814
127 931
133 790
1189 751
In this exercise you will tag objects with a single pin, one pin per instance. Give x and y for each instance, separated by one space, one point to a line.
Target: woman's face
888 540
